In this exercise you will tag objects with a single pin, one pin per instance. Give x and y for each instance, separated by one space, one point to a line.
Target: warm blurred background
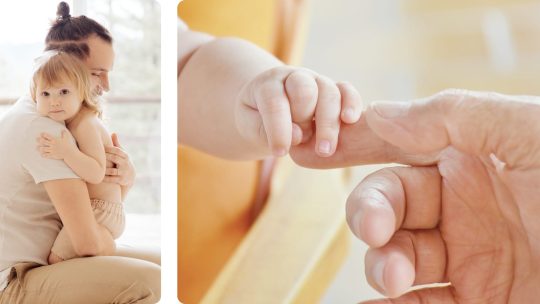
405 49
388 49
133 106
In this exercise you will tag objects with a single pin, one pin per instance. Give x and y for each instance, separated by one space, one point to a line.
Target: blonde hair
54 66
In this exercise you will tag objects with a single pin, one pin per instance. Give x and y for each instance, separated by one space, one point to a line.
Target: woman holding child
39 195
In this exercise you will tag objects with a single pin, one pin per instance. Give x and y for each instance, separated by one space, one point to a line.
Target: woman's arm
71 199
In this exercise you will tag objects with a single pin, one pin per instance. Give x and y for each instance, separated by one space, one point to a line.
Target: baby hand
285 106
55 147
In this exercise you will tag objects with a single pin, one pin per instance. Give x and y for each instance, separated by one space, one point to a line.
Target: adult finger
115 151
412 257
474 122
351 102
327 117
357 145
111 179
116 140
391 199
115 158
439 295
112 171
302 91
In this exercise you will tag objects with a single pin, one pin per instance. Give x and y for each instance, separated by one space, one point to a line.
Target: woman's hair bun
62 12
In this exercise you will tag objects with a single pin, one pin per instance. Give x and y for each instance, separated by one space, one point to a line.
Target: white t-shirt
29 222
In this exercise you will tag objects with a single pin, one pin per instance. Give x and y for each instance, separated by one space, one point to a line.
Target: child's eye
45 94
64 92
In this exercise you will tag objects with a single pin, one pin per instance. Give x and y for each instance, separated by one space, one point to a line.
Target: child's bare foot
53 259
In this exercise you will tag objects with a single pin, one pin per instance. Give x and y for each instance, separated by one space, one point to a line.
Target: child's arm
89 161
238 101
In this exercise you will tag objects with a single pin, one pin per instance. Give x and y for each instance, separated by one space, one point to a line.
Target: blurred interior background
389 50
407 49
133 105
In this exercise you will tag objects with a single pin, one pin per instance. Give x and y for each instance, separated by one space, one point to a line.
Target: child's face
60 101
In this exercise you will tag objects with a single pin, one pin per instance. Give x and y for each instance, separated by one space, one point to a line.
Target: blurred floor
142 230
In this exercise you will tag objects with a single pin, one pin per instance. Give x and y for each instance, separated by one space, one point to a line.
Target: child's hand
55 147
285 106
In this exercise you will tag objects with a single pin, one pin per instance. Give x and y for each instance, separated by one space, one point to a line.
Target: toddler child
61 88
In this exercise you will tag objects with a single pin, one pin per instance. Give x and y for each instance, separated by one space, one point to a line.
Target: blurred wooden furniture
296 245
480 45
399 50
291 251
275 25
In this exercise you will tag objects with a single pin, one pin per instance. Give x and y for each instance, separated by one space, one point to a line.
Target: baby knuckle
328 125
271 104
303 94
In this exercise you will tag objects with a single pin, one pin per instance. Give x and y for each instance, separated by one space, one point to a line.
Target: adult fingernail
324 147
377 273
390 109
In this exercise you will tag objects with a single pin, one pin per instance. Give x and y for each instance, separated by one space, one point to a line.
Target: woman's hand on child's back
56 147
285 106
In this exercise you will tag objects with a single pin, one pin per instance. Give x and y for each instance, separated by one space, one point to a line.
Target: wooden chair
295 247
291 251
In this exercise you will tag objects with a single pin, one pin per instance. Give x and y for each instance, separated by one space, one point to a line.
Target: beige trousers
134 277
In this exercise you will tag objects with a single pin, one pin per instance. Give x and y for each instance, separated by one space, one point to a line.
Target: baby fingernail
324 147
378 274
348 114
357 225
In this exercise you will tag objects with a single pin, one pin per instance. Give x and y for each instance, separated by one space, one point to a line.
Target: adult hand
120 169
470 216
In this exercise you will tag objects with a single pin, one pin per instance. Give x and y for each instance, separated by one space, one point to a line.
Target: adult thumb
476 123
115 140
